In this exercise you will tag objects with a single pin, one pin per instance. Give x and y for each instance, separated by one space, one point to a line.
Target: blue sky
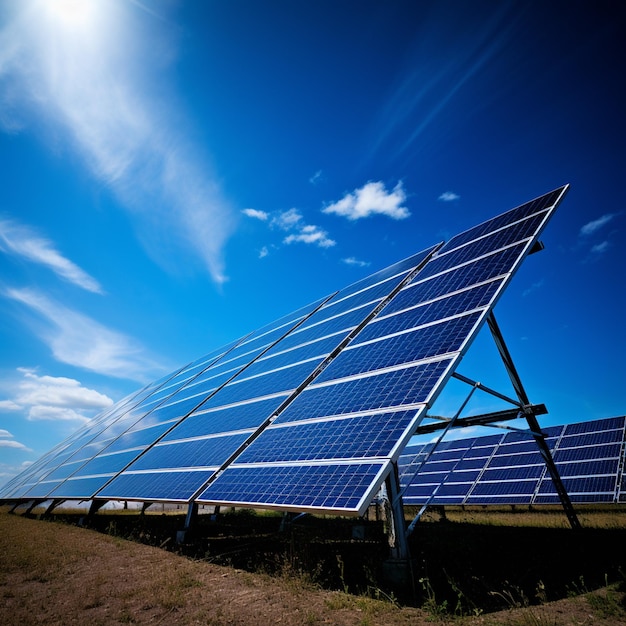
176 174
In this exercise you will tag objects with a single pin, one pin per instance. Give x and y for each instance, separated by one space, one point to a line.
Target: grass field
477 566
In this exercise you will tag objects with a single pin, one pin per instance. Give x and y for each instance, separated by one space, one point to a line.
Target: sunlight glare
75 14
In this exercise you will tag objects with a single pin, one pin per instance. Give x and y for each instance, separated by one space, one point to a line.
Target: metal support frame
398 544
448 426
53 505
533 424
145 506
96 505
192 512
190 518
33 504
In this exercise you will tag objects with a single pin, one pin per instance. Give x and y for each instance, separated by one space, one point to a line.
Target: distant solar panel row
508 468
308 412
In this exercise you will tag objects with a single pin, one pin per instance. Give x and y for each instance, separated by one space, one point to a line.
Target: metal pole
532 421
400 549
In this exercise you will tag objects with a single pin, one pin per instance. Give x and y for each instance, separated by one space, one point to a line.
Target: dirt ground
53 573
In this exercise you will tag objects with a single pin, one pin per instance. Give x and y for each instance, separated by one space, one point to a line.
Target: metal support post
192 511
532 421
53 505
33 504
397 531
96 505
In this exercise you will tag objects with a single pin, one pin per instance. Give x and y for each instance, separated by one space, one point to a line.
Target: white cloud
55 414
591 227
353 261
89 80
600 247
57 391
9 405
7 441
10 443
77 339
448 196
18 239
371 199
287 220
263 252
256 214
311 235
55 398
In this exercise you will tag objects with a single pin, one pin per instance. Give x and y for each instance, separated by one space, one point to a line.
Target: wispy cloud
78 340
371 199
534 287
256 214
353 261
316 177
292 221
428 84
591 227
311 235
21 240
84 74
600 248
286 220
448 196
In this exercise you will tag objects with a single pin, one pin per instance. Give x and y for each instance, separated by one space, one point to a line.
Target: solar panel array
508 468
309 412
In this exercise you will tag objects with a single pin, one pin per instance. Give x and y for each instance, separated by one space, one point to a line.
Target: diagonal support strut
532 421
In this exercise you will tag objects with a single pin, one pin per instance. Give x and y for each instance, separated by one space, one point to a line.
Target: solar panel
269 382
310 412
589 457
397 345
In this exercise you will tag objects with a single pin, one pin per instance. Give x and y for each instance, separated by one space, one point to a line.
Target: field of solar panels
476 564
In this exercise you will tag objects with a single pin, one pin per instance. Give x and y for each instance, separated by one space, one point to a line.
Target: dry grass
53 573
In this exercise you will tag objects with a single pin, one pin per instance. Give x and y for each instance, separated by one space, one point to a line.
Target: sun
74 14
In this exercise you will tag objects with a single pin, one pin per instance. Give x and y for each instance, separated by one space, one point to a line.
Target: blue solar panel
592 452
210 452
486 245
439 309
613 423
344 438
422 343
107 463
226 419
529 208
155 486
481 270
381 390
309 411
589 461
324 487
